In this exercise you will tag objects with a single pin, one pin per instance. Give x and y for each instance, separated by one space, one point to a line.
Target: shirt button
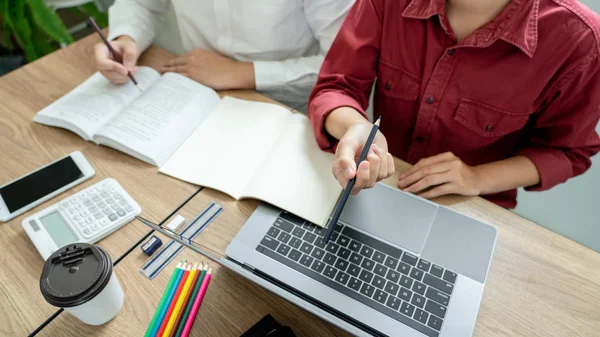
430 100
489 127
420 139
388 86
451 52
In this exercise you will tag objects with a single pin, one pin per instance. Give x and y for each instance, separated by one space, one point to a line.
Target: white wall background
571 209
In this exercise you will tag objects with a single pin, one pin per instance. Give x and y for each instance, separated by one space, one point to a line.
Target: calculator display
59 230
40 183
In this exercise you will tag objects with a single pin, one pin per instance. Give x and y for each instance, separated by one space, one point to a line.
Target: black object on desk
342 202
268 327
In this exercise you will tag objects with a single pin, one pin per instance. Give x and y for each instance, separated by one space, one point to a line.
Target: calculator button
65 204
123 202
98 215
93 209
112 217
104 222
81 223
114 206
89 220
110 200
87 232
101 204
72 210
117 196
79 207
121 212
95 226
96 198
76 218
104 194
129 208
88 202
106 211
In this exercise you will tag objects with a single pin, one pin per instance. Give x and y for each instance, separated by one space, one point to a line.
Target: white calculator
87 216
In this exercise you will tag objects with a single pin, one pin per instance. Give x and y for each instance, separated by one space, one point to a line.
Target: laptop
397 264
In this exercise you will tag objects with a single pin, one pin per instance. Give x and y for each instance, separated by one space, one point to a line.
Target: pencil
190 303
167 317
346 193
180 300
197 302
163 299
114 53
165 306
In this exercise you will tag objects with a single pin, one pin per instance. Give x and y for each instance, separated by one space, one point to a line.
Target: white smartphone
30 190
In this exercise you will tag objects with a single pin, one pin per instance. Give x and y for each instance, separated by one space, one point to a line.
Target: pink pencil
197 302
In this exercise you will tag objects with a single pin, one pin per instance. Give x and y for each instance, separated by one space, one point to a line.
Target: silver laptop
397 265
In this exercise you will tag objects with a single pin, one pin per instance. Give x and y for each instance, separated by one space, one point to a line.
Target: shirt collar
517 24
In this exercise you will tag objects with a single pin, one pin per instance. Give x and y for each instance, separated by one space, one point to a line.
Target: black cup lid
75 274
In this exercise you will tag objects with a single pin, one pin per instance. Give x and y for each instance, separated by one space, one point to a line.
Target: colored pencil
114 53
190 303
166 304
197 302
180 300
163 299
165 320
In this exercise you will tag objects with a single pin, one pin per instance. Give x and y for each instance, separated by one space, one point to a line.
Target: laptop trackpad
391 215
461 244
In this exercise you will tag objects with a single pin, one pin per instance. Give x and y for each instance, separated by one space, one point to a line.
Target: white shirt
285 39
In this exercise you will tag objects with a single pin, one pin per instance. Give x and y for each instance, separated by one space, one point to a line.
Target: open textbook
245 149
148 125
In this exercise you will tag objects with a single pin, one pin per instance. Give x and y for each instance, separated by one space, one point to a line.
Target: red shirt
527 83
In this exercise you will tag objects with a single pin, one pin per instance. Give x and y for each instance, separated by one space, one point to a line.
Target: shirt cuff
269 75
553 167
321 106
142 38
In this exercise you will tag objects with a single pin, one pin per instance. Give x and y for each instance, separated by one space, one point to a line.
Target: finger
383 159
428 161
130 56
429 181
174 69
339 174
115 78
374 164
421 173
439 191
107 65
346 152
178 61
391 165
362 177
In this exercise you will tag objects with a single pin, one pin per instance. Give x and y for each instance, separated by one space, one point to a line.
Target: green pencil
191 302
163 300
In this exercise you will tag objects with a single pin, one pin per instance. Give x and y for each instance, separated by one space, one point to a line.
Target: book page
162 117
93 103
296 176
226 150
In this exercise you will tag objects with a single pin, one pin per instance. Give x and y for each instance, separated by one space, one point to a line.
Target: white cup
80 278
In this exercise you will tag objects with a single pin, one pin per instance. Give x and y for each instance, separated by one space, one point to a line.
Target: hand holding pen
116 60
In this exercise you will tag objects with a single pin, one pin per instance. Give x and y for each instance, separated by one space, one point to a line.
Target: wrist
479 180
243 75
340 120
125 38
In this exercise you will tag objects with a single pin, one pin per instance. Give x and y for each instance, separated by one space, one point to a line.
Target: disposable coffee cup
79 278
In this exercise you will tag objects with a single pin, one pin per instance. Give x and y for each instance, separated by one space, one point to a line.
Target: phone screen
39 184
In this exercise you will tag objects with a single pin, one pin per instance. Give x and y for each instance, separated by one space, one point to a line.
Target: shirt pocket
394 82
488 121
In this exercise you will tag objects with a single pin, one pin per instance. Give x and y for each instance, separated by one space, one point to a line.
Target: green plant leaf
41 42
14 16
49 22
90 9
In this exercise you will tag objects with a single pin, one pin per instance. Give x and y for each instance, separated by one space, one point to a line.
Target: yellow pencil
178 305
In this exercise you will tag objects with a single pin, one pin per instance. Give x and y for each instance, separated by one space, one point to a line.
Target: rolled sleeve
564 138
269 75
553 167
321 106
349 69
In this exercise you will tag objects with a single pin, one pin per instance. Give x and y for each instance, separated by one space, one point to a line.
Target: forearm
506 175
341 119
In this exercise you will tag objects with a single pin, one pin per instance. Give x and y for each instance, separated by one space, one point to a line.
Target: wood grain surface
539 284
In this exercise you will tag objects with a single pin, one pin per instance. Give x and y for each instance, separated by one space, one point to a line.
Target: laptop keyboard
396 283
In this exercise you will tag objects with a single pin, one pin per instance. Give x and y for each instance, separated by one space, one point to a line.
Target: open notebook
243 148
148 125
261 151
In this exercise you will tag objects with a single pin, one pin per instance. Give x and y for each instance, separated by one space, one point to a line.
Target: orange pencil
163 325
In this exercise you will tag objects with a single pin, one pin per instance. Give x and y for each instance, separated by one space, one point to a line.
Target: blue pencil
167 302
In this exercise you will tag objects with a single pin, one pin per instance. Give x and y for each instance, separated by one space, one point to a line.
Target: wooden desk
540 283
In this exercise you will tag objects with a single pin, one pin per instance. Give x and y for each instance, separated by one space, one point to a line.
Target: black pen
346 193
